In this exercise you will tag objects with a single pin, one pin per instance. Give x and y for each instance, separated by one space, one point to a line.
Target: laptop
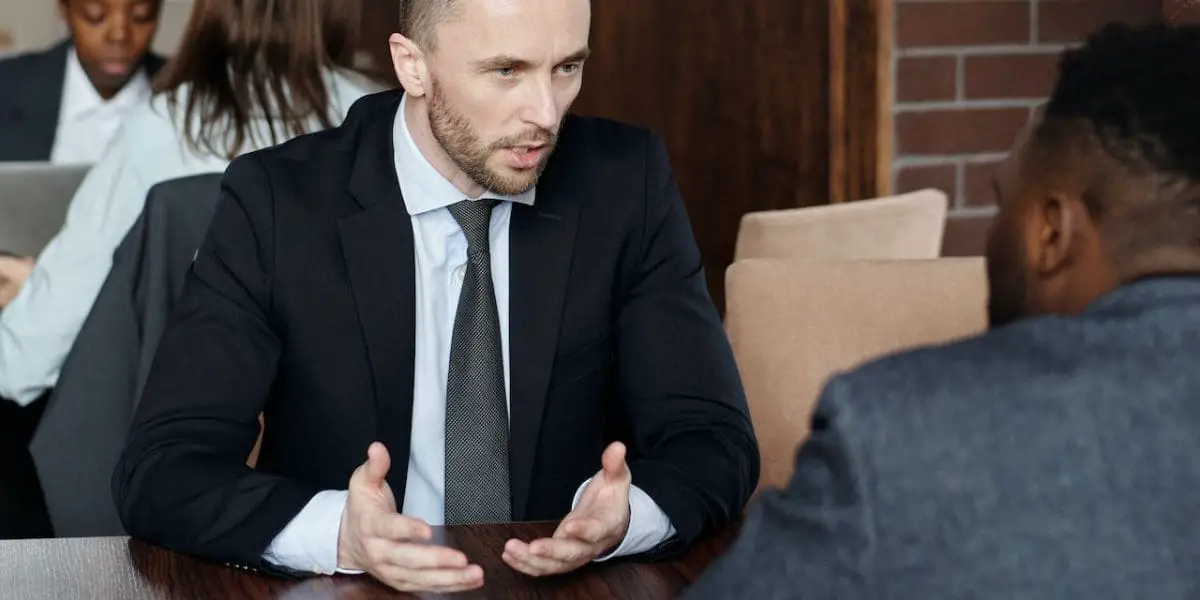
33 203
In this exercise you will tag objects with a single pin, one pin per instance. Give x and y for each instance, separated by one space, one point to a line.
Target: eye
94 14
505 72
144 13
570 68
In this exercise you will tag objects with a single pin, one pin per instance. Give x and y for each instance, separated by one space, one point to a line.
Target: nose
119 30
543 106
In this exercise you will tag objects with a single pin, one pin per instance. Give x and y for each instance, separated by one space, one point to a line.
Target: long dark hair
246 59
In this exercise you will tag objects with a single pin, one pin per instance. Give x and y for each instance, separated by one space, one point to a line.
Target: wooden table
120 568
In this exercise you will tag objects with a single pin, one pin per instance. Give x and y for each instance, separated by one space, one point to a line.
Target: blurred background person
65 105
249 74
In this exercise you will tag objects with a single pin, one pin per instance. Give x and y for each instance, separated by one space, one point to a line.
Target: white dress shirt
87 122
309 542
39 326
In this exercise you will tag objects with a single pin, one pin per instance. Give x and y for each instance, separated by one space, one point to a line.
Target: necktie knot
474 217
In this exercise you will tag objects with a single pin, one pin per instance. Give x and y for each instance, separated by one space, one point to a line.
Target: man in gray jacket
1057 456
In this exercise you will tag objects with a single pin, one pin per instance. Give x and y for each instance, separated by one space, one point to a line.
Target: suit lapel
541 244
33 114
377 243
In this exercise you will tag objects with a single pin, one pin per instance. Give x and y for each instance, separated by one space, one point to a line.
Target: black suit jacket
31 88
301 304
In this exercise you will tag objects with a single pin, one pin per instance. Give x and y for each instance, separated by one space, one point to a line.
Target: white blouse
38 328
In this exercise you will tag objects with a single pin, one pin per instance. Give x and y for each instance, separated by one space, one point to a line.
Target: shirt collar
425 189
80 98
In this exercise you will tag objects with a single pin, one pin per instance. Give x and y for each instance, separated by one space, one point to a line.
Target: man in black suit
429 287
64 105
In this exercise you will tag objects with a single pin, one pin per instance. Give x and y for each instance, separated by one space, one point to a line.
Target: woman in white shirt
249 74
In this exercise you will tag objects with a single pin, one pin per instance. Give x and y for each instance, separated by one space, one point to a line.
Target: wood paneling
866 100
380 19
763 104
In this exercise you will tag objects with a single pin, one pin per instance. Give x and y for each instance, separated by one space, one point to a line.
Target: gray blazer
1057 458
31 87
83 430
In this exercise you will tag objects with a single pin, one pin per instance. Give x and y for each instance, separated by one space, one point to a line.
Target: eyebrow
504 61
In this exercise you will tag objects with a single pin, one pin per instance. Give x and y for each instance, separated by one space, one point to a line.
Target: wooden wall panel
763 104
380 19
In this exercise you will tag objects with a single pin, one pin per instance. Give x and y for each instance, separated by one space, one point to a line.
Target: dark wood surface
131 570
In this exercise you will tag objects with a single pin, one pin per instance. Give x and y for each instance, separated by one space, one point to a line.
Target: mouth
526 156
116 67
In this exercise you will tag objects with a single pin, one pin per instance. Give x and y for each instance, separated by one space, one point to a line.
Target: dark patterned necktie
477 489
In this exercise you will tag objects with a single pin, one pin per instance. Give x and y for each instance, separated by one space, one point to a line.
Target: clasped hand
13 273
375 538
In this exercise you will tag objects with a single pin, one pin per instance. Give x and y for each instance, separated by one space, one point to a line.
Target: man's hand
374 538
13 273
595 527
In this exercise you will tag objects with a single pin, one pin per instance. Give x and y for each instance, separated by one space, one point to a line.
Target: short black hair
419 19
1126 111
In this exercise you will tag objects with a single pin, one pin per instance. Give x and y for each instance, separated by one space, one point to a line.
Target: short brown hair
419 19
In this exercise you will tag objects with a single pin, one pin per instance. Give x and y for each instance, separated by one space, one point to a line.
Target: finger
567 550
586 529
517 555
423 556
613 462
399 528
431 580
378 463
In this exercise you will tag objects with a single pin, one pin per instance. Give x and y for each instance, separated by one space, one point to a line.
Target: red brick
978 186
1073 20
962 23
965 236
941 177
926 78
958 131
1010 75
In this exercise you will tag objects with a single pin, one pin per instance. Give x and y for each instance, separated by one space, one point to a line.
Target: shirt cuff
649 526
310 540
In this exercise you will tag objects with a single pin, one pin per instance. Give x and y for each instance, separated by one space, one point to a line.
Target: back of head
1127 100
1105 187
247 59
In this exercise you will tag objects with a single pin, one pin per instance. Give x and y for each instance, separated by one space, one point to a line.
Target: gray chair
33 203
87 418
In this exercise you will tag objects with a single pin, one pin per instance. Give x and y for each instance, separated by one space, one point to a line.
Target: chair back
908 226
793 324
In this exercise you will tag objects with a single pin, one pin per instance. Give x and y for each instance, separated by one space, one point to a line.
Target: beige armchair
908 226
793 324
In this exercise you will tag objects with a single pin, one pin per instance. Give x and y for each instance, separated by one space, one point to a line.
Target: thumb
378 463
613 462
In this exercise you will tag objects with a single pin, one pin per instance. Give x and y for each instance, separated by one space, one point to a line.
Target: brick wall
968 74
